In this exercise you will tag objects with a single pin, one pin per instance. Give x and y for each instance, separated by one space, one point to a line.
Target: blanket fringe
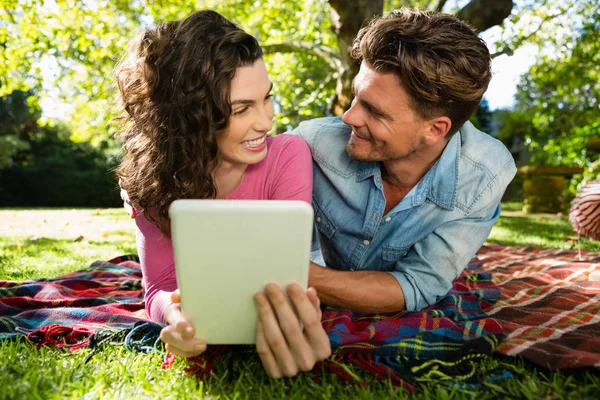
61 336
202 366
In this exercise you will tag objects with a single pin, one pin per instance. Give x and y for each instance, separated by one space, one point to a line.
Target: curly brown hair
440 61
174 86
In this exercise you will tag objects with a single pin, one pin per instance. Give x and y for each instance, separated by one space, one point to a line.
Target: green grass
28 372
540 232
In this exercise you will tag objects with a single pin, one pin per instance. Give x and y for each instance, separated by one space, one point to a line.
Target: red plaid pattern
549 309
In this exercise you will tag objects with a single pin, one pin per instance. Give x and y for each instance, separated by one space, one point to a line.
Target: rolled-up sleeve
428 269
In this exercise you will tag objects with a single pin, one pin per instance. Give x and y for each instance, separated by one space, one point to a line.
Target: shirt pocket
393 254
324 224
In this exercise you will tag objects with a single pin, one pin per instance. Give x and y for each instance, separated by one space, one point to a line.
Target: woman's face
244 139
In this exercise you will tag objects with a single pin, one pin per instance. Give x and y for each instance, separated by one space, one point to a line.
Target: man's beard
378 152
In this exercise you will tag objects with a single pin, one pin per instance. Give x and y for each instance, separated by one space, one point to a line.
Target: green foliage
19 112
482 119
548 24
55 171
36 36
561 96
84 39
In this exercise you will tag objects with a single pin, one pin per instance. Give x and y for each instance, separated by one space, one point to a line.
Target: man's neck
405 173
400 176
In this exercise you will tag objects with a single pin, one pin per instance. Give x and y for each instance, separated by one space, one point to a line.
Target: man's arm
361 291
420 277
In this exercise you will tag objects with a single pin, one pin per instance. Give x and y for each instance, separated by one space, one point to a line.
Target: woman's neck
227 177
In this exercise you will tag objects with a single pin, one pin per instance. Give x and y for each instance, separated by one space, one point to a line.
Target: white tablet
226 251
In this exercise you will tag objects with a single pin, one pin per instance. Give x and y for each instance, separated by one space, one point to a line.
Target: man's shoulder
327 139
314 129
485 165
483 151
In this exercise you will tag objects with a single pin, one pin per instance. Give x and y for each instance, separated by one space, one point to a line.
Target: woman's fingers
266 355
283 346
178 336
310 315
175 297
181 345
274 336
290 327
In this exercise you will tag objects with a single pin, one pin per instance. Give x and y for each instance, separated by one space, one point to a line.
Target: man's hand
178 336
126 203
282 344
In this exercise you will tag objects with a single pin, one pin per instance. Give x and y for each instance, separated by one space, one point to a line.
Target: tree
482 119
19 113
561 96
306 43
349 15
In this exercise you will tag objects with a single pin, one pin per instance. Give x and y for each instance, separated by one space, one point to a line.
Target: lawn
45 243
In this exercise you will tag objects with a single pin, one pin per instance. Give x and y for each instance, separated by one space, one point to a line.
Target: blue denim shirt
429 237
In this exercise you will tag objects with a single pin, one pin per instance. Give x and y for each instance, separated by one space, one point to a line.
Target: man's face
384 125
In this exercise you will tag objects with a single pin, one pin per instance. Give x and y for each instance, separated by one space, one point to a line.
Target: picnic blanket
549 309
65 311
445 341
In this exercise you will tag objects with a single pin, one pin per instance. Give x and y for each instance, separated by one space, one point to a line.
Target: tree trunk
348 16
483 14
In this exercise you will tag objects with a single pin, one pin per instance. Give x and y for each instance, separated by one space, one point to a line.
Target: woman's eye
240 111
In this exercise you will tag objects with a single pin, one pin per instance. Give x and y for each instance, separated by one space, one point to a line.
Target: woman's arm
161 293
158 266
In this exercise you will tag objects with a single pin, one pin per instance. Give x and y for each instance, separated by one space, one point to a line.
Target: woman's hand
178 336
284 347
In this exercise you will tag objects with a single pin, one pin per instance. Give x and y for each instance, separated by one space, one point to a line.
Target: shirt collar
439 183
443 183
366 170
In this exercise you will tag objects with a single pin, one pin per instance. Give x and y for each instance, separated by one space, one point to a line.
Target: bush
57 172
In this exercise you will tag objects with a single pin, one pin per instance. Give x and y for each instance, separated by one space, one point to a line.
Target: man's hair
440 61
174 86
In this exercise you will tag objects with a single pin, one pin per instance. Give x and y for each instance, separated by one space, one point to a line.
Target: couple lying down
404 189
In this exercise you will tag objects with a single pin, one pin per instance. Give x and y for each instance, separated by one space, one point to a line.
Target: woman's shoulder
286 145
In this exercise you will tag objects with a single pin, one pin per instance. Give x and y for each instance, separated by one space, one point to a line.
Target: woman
198 106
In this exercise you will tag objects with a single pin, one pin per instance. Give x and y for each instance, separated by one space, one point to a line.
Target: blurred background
57 141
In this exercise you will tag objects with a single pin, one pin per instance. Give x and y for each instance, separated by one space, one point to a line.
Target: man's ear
438 129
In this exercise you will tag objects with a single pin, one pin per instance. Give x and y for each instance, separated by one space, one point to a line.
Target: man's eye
240 111
375 114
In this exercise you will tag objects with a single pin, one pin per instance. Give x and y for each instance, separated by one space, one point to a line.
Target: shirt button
388 219
366 242
318 219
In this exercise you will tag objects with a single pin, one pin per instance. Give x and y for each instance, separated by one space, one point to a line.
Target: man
405 188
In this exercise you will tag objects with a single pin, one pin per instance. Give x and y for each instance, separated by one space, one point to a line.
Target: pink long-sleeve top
285 174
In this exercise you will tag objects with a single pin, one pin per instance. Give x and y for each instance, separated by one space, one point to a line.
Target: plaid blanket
444 341
543 302
549 309
67 310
